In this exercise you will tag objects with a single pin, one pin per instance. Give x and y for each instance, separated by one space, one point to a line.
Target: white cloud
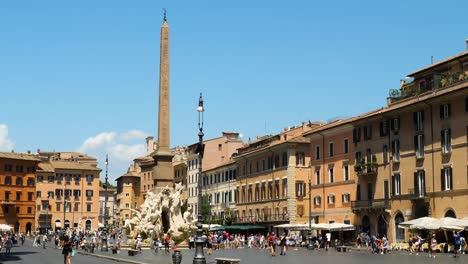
133 135
122 149
6 144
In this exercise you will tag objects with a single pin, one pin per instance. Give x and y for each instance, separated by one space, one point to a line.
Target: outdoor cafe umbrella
293 226
418 223
5 227
333 227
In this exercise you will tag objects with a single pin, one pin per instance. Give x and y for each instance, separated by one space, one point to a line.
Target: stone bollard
176 257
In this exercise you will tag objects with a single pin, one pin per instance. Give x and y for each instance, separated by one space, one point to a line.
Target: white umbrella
333 227
294 226
5 227
417 223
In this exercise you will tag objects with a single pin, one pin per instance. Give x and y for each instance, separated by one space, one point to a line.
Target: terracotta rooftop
18 156
449 59
70 165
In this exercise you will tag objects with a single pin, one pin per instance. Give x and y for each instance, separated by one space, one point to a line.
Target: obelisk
163 171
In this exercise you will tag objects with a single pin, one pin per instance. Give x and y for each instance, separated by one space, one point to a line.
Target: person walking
457 243
44 239
283 244
167 239
66 249
433 246
272 242
8 245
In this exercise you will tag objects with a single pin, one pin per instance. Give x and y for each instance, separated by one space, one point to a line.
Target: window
345 198
358 192
356 134
331 175
446 179
77 178
18 196
395 124
127 205
446 141
384 128
76 193
67 178
19 168
29 210
317 200
75 208
127 194
220 147
30 196
6 210
8 167
88 209
17 210
285 187
7 180
31 182
419 146
419 120
396 150
331 199
396 184
420 183
38 194
358 156
300 159
59 178
300 189
285 159
317 152
89 193
385 154
368 132
346 172
40 178
19 182
444 111
50 195
331 149
346 145
89 179
317 176
50 179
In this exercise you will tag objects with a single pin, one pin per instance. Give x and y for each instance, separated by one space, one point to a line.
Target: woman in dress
66 250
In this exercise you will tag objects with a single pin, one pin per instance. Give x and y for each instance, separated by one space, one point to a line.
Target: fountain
161 213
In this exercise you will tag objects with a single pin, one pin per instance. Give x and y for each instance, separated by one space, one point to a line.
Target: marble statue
148 221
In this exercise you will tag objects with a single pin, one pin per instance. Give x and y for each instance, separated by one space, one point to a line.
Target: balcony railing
261 219
368 204
7 201
419 193
366 170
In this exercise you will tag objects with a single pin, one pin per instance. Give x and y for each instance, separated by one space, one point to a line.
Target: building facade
128 195
217 151
67 195
17 191
109 206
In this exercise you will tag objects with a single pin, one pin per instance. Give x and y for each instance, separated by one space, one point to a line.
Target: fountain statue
161 213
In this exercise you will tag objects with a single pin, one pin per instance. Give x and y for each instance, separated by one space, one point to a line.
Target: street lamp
104 246
199 257
309 238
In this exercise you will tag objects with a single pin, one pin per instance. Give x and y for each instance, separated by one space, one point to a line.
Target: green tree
109 185
206 209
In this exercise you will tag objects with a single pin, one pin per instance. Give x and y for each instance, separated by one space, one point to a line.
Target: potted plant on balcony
359 166
373 164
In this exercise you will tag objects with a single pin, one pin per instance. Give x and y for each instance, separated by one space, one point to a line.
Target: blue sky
84 75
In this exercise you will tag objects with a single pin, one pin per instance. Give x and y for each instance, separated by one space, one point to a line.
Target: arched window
450 213
399 232
88 224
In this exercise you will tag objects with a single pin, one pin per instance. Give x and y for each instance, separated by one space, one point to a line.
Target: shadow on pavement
14 256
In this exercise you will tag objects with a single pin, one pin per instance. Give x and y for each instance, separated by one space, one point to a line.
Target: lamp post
309 238
199 257
104 246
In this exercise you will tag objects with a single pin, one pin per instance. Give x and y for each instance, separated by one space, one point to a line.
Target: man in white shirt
328 236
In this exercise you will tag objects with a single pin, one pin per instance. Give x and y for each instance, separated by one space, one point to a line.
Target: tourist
457 243
166 239
138 244
8 245
433 246
358 241
328 236
22 237
385 246
44 239
66 249
272 242
209 244
283 242
191 242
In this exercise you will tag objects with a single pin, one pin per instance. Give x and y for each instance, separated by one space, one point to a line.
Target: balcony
368 170
260 219
370 204
8 201
419 193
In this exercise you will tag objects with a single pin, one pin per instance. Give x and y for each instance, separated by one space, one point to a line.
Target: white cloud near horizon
122 149
6 144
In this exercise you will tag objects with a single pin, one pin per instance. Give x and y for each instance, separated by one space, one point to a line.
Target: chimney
149 144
